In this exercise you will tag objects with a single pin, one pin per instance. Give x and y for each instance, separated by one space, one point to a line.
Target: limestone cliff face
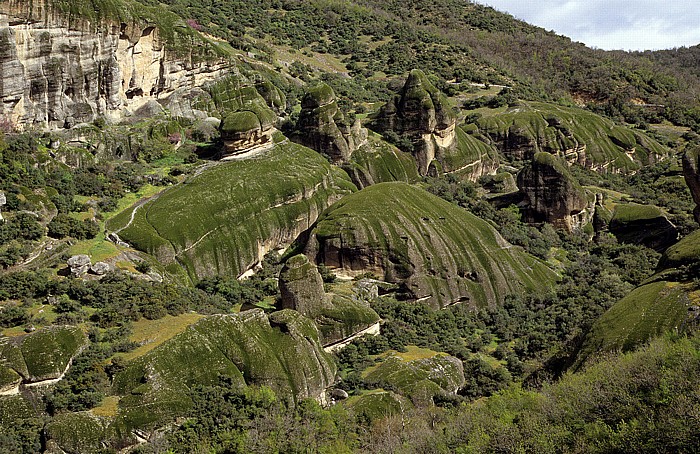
552 194
691 172
322 126
57 70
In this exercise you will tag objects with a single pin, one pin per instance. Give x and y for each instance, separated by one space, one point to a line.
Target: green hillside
440 252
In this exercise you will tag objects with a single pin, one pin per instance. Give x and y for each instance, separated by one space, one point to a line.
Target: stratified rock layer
437 251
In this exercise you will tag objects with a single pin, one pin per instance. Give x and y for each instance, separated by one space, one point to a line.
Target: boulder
551 194
3 202
323 127
79 264
691 172
301 286
101 268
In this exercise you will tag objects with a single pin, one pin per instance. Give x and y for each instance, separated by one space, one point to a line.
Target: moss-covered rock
337 317
643 224
323 127
42 355
437 251
423 116
226 219
691 172
420 379
301 286
281 351
77 433
648 311
377 405
552 194
379 162
685 252
575 134
247 120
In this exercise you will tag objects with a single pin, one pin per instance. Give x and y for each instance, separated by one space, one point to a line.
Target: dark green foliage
64 225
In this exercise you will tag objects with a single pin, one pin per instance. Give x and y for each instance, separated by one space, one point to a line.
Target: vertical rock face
552 194
323 126
301 286
57 70
691 172
422 115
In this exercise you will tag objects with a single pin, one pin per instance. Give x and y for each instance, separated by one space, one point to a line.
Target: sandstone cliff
66 63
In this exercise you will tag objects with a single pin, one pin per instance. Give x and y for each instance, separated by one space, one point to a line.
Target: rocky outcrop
337 318
79 264
323 127
576 135
422 115
691 172
59 69
301 286
551 194
225 219
643 224
437 252
281 351
40 358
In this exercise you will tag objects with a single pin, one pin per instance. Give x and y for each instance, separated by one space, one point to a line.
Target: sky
613 24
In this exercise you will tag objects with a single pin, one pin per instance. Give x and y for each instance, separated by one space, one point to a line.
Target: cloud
613 24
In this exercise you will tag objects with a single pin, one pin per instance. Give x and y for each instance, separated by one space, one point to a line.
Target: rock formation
323 127
691 172
574 134
422 114
79 264
552 194
301 286
41 357
337 317
437 252
281 351
224 220
59 69
643 224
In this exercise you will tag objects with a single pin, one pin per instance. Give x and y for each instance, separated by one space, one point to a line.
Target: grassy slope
217 222
446 244
605 142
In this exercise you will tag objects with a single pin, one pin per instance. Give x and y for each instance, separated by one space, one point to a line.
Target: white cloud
613 24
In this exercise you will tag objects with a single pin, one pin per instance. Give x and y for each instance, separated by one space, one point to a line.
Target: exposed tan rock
57 71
